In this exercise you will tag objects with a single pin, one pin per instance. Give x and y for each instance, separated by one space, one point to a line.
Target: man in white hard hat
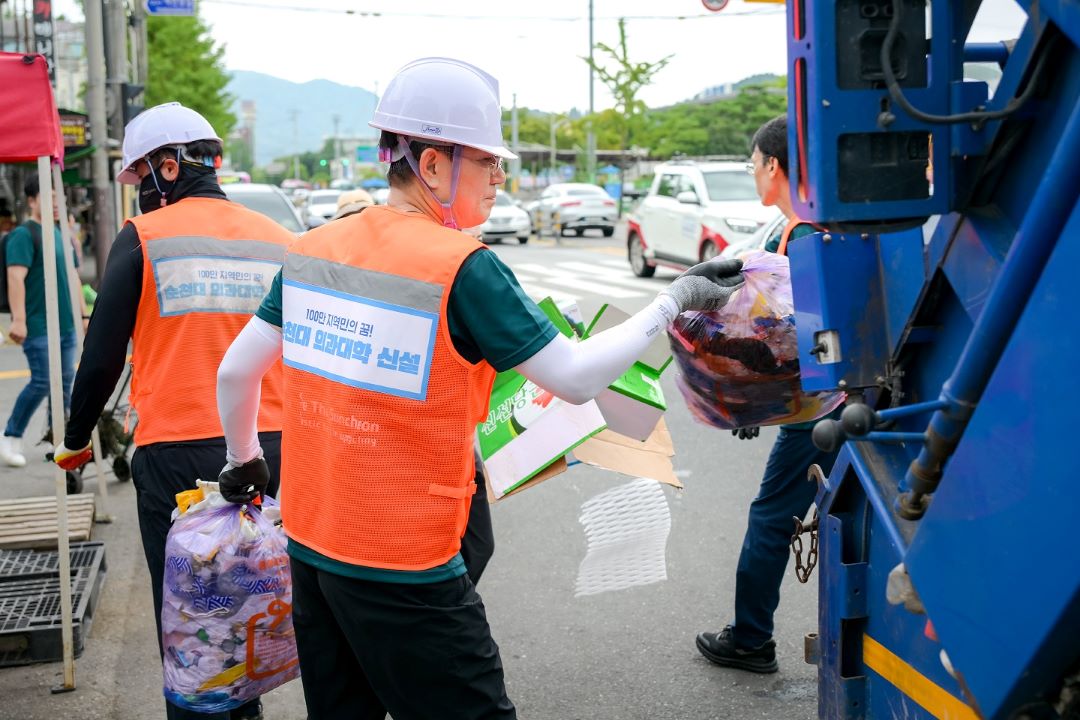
392 324
181 281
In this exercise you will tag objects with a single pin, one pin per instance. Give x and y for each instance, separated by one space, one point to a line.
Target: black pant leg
426 649
478 543
334 683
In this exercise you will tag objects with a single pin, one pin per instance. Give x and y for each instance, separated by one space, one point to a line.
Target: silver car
574 207
322 203
507 220
271 202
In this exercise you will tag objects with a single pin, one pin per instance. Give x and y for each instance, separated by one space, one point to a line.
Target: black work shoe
719 647
250 711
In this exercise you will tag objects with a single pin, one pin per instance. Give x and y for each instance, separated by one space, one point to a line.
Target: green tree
187 66
624 80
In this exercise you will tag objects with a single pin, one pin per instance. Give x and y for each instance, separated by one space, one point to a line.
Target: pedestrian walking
26 299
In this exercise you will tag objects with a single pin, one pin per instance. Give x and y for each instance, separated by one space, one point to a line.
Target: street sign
714 5
43 35
169 7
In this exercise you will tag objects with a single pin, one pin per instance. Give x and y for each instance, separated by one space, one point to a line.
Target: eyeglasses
750 167
493 163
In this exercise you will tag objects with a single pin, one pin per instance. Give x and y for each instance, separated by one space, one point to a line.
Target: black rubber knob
828 436
858 419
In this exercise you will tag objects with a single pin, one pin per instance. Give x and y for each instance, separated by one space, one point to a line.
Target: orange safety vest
791 225
380 409
207 265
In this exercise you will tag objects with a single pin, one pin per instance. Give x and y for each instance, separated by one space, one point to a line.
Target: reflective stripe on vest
203 277
380 409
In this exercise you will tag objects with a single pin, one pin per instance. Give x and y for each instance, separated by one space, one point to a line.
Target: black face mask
156 192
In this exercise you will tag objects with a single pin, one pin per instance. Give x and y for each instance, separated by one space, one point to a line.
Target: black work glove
746 433
241 484
707 286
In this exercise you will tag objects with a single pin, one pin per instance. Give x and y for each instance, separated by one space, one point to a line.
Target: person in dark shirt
785 492
26 297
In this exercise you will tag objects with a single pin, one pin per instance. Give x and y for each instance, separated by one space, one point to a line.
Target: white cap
441 99
161 125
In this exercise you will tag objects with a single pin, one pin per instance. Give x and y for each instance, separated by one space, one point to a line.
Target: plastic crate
30 621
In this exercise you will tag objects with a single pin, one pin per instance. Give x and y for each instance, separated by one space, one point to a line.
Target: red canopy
29 123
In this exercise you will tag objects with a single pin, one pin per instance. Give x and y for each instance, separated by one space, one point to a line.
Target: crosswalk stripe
539 292
623 276
555 276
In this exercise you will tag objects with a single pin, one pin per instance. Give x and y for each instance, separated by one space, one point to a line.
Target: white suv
692 212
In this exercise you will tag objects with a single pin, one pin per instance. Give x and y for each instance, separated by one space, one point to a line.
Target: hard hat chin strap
455 171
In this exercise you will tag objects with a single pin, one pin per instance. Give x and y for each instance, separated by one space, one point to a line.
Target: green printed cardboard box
634 403
528 429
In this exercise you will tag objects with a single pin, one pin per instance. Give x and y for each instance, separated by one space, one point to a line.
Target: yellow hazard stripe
12 374
933 698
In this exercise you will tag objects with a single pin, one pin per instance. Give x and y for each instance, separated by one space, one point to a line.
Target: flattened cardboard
651 459
556 468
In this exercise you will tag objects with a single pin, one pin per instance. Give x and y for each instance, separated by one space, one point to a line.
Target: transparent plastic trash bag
739 366
226 616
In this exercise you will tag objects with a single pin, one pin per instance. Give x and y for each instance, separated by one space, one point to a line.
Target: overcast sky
533 48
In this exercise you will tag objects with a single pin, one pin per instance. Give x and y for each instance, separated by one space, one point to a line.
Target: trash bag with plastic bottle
739 366
226 616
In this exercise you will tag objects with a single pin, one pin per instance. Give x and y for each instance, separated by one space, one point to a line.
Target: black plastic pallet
30 620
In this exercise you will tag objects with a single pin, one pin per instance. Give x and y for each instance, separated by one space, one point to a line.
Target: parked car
271 202
507 220
757 241
574 207
691 213
322 203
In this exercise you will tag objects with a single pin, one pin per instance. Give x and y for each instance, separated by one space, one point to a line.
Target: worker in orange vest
181 281
392 324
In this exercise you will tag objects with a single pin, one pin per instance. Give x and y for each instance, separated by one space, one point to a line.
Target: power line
441 16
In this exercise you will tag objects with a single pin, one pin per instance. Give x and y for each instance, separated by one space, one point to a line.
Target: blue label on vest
200 283
357 341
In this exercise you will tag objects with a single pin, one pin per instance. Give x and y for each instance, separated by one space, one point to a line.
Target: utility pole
142 58
293 114
104 224
515 165
116 63
337 146
590 137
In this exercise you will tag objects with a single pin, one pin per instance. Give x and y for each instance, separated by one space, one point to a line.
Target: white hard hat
441 99
166 124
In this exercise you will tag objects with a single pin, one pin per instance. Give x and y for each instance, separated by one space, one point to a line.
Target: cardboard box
634 403
528 429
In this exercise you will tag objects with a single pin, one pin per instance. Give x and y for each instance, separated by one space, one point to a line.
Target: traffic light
322 163
345 162
132 100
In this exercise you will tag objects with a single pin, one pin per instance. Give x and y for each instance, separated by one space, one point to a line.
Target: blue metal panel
836 286
994 559
903 276
823 113
861 541
974 260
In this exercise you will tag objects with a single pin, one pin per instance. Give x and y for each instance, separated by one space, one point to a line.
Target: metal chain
802 572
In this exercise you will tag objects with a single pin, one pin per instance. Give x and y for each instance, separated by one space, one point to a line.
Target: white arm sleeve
239 387
578 372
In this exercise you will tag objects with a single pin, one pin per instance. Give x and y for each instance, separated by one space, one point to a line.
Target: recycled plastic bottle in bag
226 616
739 366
